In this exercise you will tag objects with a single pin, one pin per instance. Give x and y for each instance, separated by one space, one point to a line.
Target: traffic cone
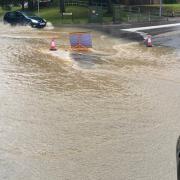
148 41
53 45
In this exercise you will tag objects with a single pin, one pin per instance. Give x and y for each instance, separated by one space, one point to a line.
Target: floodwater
109 114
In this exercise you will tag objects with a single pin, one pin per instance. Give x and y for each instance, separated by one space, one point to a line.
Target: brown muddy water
110 114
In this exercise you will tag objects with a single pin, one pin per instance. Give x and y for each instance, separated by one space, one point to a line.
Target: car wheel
33 25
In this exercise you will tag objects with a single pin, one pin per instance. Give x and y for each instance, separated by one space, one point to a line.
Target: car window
11 15
29 14
19 15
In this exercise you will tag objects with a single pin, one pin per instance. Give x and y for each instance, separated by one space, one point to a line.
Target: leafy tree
22 3
62 6
109 4
90 2
170 1
5 2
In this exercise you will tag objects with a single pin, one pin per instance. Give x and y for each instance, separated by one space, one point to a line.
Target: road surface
110 114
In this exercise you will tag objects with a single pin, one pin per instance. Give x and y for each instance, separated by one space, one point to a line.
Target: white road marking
151 27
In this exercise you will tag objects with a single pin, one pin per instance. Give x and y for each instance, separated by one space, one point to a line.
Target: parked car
24 18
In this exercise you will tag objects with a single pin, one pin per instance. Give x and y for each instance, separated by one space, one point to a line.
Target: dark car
24 18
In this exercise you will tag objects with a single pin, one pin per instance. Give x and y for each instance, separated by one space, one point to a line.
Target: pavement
136 31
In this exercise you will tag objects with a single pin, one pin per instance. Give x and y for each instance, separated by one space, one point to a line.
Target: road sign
68 14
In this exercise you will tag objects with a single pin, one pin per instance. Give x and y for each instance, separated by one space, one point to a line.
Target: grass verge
80 15
168 7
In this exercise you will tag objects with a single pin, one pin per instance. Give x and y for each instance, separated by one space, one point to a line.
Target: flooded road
110 114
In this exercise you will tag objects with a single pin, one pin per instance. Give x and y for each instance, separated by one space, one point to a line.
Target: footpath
136 31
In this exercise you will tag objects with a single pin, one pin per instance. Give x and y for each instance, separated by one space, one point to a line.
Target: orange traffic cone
148 41
53 45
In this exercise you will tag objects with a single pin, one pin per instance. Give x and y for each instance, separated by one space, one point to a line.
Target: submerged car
24 18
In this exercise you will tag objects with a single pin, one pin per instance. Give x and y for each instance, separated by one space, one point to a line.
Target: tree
4 3
170 1
109 5
31 4
90 2
62 6
22 4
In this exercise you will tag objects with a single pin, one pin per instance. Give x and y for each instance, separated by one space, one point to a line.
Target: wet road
112 114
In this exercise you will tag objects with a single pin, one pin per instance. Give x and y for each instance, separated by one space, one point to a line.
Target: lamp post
160 8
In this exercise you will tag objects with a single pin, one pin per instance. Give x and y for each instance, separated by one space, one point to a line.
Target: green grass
3 11
174 7
80 15
53 15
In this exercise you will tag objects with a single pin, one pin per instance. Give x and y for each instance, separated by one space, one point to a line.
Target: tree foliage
33 3
170 1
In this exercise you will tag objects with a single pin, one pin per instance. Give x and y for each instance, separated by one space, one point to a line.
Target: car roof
25 13
22 12
12 12
19 12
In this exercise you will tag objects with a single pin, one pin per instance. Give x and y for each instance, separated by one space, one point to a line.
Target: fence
131 14
136 14
95 14
84 3
75 3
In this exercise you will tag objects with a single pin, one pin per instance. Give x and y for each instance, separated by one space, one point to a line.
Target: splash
49 26
60 54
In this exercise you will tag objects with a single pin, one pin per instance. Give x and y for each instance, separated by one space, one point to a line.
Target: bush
7 8
170 1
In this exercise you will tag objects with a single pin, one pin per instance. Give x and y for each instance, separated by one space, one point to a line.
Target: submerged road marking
151 27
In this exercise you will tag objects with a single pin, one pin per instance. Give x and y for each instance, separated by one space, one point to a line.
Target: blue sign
81 40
